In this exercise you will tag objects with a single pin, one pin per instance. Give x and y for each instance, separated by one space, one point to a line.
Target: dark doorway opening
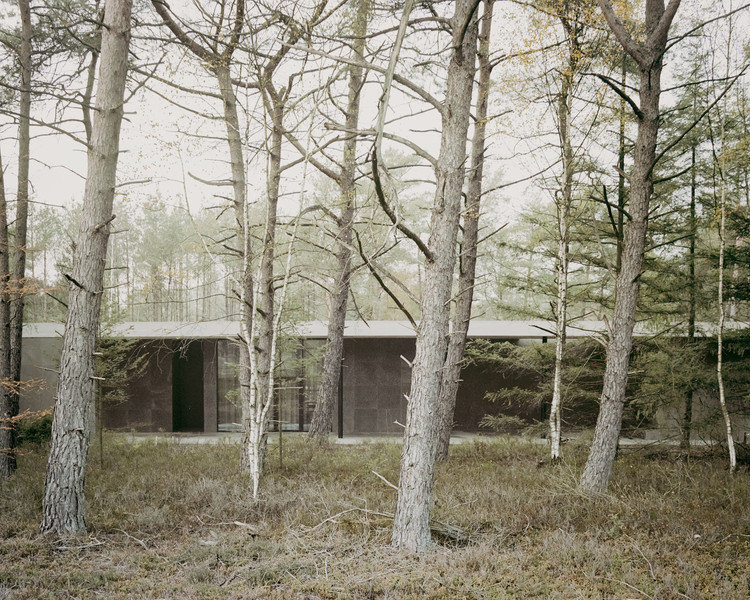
187 387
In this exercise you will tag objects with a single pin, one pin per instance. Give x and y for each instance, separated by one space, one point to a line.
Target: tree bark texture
15 285
411 526
720 335
258 399
722 305
261 343
648 56
686 425
22 195
8 397
322 420
219 64
64 499
563 224
564 206
467 260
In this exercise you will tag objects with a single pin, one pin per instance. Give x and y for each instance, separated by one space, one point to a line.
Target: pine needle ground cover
177 521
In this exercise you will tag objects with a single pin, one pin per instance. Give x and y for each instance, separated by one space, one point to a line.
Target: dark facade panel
376 380
210 386
149 404
193 386
472 404
40 362
187 387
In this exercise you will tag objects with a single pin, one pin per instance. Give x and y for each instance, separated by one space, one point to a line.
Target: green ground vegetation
172 520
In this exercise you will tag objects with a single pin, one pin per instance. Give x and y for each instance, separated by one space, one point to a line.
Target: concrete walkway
273 438
458 437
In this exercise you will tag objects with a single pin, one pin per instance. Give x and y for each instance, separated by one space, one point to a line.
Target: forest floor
170 520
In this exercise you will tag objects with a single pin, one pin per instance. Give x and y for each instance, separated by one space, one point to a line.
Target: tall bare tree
573 17
649 56
64 498
261 338
14 280
411 525
722 309
216 53
322 420
8 397
467 259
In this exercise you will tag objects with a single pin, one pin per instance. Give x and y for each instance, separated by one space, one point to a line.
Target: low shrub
35 428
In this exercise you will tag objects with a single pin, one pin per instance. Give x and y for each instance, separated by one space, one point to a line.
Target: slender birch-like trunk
561 322
649 57
64 498
256 413
322 420
261 343
720 333
722 252
260 339
219 64
468 257
411 524
563 205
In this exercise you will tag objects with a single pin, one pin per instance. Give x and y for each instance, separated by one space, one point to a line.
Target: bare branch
391 215
620 92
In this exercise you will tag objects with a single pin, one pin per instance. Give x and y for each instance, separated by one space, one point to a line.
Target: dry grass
163 521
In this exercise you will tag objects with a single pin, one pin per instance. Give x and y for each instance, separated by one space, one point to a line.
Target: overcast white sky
155 148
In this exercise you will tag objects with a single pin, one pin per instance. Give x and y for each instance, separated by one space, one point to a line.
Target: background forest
170 257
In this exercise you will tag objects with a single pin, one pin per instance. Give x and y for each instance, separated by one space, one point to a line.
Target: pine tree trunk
468 259
64 499
322 420
9 410
596 474
687 415
411 525
649 56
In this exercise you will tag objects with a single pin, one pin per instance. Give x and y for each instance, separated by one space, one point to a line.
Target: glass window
228 384
298 378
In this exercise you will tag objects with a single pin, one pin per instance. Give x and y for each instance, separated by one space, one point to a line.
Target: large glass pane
288 386
298 377
228 383
312 364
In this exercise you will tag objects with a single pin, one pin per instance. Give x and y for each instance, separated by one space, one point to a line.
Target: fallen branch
135 539
395 487
632 587
441 531
249 528
350 510
648 562
93 543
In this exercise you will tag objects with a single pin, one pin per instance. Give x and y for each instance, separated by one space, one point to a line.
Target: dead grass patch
177 521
